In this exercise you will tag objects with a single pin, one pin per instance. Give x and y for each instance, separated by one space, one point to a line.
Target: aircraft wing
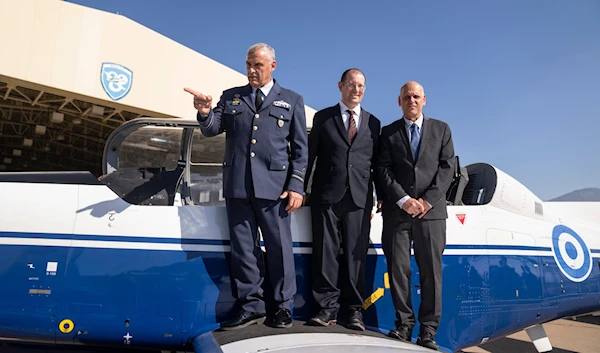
321 342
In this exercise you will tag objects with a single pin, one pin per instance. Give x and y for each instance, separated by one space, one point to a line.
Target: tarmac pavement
566 335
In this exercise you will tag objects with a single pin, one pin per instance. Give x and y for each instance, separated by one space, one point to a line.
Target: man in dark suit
344 142
262 183
415 170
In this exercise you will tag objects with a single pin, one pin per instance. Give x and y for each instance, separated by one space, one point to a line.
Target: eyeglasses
355 86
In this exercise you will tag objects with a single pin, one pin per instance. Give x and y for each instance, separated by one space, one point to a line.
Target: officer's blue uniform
266 153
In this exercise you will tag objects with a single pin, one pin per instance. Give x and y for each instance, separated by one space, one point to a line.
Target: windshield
151 147
206 169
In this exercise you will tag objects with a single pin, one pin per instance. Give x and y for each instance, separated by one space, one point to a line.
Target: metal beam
58 100
75 105
64 103
37 98
7 93
23 95
111 115
70 113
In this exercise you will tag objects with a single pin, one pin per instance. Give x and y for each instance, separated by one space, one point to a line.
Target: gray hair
261 46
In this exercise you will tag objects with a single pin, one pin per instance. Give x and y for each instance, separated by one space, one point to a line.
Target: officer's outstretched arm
211 125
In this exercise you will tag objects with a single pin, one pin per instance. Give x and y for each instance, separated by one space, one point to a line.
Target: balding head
412 99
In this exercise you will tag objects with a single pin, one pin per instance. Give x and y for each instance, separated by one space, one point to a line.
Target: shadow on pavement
509 345
588 319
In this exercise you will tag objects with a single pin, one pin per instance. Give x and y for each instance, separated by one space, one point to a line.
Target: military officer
263 182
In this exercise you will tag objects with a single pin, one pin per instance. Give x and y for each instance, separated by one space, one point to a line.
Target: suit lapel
425 133
247 97
273 94
337 117
364 124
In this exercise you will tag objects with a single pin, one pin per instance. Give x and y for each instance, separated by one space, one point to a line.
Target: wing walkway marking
379 292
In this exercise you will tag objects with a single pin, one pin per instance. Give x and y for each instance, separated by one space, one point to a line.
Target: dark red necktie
351 126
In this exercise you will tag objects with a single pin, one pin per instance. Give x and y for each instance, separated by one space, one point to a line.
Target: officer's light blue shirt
264 89
265 92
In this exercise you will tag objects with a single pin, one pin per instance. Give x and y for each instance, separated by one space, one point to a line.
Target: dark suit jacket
340 163
267 149
428 177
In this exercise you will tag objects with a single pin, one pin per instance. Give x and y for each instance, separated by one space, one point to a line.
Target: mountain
589 194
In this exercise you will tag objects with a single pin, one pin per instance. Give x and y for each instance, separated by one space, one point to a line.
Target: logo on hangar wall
116 80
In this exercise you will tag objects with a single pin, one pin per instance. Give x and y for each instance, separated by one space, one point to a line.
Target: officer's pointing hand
294 200
202 103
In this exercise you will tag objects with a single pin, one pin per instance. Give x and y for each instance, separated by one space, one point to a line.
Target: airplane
138 258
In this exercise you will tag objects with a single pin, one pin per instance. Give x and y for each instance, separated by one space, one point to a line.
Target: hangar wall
62 45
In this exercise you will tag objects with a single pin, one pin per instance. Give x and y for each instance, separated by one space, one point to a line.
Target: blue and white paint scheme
116 80
140 258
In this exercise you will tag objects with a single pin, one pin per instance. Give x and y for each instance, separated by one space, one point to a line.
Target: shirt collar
265 89
343 108
419 122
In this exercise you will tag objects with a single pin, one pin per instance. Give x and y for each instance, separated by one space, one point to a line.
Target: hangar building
66 83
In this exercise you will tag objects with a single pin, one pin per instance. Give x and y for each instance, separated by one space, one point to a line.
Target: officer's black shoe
243 319
281 319
402 333
426 340
355 320
323 318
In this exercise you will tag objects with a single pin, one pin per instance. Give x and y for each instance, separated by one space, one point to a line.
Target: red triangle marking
461 217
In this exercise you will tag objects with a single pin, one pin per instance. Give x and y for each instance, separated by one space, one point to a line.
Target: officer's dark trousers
339 226
244 217
429 240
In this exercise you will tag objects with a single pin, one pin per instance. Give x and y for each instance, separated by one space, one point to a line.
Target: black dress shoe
402 333
323 318
281 319
355 320
426 340
243 319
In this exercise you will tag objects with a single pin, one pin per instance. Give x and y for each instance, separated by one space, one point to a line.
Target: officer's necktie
351 126
258 99
415 139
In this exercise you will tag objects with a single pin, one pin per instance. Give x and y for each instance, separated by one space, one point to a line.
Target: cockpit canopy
151 161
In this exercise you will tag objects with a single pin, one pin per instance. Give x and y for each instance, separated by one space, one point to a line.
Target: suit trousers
247 270
339 226
429 240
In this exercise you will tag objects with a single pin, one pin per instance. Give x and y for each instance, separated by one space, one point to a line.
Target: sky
517 81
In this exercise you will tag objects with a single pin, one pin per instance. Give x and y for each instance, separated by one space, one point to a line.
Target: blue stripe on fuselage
226 242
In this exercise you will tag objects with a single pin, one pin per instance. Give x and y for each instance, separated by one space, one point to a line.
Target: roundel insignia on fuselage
571 254
66 326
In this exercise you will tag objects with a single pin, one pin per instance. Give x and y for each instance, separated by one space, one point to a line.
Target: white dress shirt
345 115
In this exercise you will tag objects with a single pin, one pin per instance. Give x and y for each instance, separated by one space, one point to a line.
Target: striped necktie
351 126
